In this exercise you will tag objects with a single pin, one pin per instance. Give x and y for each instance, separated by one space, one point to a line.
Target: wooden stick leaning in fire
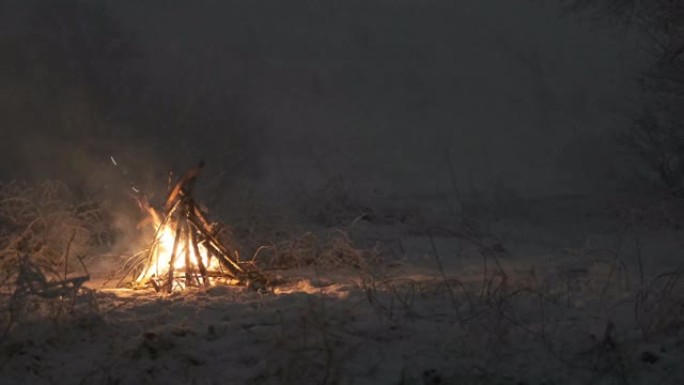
186 243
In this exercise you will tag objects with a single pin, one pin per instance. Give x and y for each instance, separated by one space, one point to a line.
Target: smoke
80 103
299 93
76 91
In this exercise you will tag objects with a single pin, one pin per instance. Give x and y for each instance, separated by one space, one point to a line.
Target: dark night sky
372 91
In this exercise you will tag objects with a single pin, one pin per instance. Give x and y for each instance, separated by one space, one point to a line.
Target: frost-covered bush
44 222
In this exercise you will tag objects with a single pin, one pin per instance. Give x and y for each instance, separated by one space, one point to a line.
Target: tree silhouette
657 135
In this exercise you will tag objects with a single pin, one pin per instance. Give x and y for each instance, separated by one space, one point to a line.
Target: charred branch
195 244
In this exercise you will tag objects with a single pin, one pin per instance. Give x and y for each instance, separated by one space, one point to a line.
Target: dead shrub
337 250
41 220
659 307
45 232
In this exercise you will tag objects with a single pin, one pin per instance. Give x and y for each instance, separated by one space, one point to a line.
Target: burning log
186 250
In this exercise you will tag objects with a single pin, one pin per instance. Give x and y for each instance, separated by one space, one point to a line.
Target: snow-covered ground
559 293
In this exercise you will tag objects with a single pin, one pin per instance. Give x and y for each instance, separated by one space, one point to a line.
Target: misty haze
341 192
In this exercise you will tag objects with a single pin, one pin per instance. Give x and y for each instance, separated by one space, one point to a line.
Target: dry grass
42 220
577 320
580 317
45 234
659 306
337 249
33 298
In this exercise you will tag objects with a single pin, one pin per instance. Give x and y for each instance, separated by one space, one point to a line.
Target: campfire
186 250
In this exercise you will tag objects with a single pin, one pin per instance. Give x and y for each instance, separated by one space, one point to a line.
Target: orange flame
159 263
